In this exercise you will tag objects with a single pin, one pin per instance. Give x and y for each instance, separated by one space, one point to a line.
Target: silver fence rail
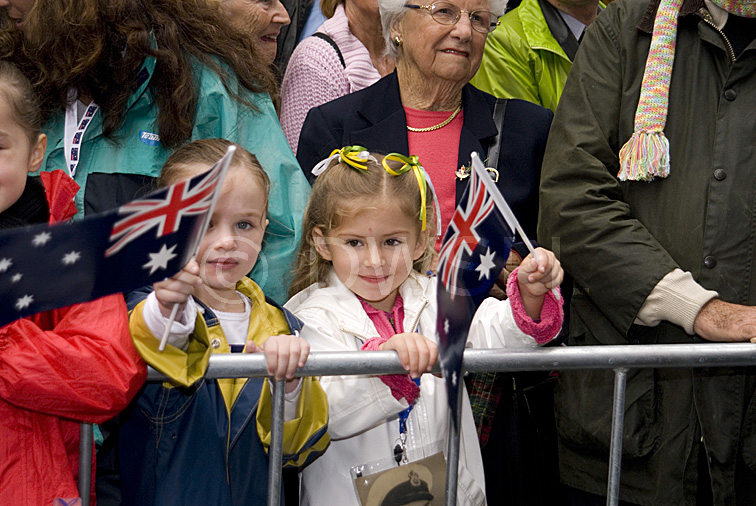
618 358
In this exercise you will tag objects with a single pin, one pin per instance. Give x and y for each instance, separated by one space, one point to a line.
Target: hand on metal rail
284 354
417 353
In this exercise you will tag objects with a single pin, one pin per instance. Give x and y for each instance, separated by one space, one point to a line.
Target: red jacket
58 368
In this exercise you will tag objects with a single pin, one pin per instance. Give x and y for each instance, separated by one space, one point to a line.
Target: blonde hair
18 93
342 191
209 151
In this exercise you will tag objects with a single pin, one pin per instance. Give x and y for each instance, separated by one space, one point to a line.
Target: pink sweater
315 75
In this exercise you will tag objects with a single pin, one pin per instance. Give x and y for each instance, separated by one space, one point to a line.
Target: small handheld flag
474 251
49 266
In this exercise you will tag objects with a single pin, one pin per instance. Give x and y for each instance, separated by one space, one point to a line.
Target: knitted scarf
646 153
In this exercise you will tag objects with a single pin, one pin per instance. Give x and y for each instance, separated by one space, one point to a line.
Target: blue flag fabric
45 267
474 251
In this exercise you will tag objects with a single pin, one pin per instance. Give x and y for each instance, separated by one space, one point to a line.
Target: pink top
438 151
401 385
315 75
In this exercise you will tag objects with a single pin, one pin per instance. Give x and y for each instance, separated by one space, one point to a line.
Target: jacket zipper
709 21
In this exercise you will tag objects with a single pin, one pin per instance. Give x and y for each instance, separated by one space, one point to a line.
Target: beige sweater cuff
677 298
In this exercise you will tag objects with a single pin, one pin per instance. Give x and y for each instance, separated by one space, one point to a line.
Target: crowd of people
617 132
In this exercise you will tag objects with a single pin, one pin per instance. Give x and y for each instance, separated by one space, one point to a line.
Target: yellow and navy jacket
196 441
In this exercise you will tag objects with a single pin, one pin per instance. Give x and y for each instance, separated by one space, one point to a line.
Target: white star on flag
71 258
16 277
41 239
160 259
5 264
24 302
486 264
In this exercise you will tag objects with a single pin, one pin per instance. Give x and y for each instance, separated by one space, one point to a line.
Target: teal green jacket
112 172
522 59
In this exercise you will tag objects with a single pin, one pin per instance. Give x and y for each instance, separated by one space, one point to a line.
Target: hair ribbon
412 162
356 157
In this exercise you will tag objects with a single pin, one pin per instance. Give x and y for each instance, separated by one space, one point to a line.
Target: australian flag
49 266
474 251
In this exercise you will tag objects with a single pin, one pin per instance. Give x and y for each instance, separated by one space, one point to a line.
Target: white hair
392 12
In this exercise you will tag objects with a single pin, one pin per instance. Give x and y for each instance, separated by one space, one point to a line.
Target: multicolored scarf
646 153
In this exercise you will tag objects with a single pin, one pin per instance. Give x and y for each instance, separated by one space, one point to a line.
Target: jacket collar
385 116
647 22
254 293
536 30
345 307
57 122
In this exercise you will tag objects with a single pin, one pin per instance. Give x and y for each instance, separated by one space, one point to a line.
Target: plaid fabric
485 393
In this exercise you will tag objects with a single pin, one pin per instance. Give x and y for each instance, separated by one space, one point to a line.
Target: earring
398 41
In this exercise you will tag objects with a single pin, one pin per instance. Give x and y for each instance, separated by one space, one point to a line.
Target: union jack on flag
186 198
45 267
463 227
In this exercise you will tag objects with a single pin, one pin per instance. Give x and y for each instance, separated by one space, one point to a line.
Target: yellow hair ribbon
411 162
354 156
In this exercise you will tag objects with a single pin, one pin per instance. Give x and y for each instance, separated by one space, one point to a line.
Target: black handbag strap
328 39
498 117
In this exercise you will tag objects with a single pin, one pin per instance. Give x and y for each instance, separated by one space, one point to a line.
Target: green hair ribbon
355 156
412 163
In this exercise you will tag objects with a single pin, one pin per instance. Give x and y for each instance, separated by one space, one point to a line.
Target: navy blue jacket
374 118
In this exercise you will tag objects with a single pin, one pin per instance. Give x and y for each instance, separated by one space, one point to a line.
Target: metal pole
275 452
86 440
228 365
615 450
452 450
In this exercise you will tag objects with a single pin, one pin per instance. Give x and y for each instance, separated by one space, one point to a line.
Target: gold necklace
440 125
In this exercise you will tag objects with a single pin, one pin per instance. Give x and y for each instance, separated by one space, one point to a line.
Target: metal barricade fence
619 358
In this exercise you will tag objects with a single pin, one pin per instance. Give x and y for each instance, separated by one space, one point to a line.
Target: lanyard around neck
74 132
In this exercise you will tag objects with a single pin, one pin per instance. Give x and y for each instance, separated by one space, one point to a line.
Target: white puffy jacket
364 415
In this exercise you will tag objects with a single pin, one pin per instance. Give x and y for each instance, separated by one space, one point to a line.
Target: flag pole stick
167 332
226 161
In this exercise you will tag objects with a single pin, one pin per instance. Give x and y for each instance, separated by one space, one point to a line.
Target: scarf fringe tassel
644 156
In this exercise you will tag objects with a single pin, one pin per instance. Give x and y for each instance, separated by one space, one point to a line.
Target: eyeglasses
447 13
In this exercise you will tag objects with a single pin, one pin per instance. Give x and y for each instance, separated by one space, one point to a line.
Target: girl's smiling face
372 252
234 238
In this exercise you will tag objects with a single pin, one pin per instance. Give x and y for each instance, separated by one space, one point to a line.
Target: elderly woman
428 108
262 19
346 54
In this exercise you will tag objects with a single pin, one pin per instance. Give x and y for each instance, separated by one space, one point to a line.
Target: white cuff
291 399
677 298
181 329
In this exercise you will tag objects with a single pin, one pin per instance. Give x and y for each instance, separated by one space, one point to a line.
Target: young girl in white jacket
361 283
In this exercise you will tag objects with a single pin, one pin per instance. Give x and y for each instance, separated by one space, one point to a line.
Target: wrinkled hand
177 289
417 353
725 322
284 354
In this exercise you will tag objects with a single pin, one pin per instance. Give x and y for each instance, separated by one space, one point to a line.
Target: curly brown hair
98 46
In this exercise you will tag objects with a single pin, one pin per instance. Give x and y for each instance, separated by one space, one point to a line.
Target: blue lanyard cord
400 450
405 414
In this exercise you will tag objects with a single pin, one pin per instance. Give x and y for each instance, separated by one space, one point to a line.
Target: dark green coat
619 239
